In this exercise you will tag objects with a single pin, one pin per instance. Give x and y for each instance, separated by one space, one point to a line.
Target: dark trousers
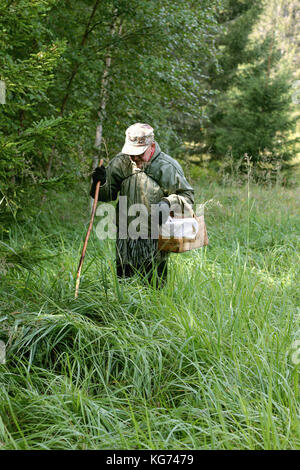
152 273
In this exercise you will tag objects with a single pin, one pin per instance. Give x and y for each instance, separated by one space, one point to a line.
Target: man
155 181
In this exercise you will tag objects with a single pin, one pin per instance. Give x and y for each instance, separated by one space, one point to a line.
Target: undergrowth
207 362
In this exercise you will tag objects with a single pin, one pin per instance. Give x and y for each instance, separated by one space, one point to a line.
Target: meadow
208 362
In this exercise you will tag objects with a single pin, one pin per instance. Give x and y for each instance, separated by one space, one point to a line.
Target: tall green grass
204 363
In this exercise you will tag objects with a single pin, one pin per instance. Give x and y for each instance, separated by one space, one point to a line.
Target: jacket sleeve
178 192
116 171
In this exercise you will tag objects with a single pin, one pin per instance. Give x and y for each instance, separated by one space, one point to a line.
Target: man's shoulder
120 160
120 157
120 166
168 161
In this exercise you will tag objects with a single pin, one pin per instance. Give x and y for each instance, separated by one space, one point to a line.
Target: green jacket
161 178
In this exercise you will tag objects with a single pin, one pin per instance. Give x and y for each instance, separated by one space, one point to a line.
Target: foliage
281 19
59 64
255 119
253 111
236 20
128 367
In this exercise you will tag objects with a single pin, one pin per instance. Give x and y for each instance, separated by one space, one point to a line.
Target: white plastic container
180 228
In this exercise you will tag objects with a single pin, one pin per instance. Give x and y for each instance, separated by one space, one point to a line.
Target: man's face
137 159
140 159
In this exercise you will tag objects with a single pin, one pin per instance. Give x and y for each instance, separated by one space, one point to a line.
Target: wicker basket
179 245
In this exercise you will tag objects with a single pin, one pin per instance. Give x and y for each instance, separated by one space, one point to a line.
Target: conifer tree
236 19
256 114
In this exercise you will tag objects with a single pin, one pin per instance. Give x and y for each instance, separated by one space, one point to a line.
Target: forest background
76 77
126 366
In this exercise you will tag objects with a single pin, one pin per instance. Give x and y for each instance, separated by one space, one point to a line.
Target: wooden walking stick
87 235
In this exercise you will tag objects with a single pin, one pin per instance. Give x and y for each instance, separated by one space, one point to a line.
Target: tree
236 20
254 114
72 69
256 117
28 58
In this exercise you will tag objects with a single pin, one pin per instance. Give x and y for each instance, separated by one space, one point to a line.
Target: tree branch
75 70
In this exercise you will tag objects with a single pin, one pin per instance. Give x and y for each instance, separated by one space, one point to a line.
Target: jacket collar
156 153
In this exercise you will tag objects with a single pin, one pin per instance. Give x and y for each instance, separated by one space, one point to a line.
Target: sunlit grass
204 363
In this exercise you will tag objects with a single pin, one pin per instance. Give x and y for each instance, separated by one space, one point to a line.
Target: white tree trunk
102 108
104 95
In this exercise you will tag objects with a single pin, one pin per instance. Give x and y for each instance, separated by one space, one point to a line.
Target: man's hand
99 174
163 210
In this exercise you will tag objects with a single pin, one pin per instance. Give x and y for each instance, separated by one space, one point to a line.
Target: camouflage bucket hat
138 138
